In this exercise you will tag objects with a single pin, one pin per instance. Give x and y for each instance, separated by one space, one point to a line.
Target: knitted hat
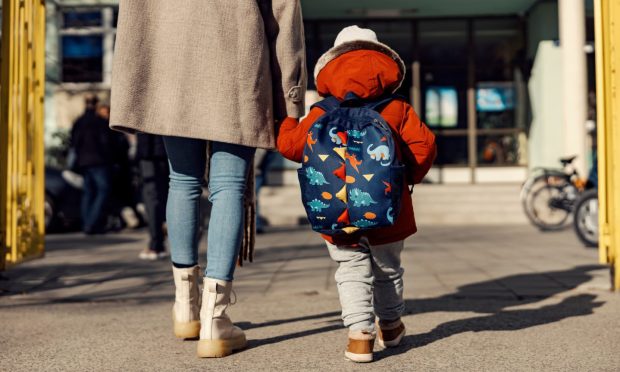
354 38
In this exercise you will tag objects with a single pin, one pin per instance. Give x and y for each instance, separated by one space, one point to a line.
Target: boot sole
219 348
358 358
187 330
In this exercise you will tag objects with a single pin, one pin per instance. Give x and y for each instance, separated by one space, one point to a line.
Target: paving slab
478 298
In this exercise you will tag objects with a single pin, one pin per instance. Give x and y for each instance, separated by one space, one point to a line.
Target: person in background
262 160
124 186
90 139
153 164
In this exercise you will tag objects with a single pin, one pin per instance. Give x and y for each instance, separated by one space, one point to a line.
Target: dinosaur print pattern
351 178
361 198
310 141
380 153
388 187
364 224
390 215
315 177
353 133
317 206
339 138
353 161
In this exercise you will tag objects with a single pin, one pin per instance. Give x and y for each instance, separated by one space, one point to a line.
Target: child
369 275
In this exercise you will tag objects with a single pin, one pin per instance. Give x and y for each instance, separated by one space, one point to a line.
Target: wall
546 132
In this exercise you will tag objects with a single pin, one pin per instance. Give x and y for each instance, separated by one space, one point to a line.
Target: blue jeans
94 197
227 183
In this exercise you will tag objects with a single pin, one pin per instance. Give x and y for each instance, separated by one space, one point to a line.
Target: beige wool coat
219 70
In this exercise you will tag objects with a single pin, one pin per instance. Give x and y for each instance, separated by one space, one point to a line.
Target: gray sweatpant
370 282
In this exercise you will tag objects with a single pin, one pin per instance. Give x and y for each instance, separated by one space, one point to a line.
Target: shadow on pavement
82 283
504 320
250 325
61 243
488 297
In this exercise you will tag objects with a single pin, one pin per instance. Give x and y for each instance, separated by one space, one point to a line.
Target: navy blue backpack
351 179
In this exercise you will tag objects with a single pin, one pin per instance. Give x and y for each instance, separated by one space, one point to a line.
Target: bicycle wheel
548 203
585 221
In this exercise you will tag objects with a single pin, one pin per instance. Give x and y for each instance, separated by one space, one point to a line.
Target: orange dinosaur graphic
310 141
353 161
388 187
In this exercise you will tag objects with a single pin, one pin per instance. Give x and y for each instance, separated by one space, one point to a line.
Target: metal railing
608 128
22 91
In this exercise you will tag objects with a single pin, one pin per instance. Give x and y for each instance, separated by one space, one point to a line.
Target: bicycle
585 221
549 195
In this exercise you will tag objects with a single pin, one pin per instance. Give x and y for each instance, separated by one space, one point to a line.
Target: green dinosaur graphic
364 223
316 205
315 177
361 198
354 133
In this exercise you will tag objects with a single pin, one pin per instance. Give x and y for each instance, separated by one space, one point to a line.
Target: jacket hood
367 73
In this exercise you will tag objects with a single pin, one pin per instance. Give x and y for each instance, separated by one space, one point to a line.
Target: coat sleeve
420 149
285 34
293 135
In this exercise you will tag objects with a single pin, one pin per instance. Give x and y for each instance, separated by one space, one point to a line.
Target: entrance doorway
465 80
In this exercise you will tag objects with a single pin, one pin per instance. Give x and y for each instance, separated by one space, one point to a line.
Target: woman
215 71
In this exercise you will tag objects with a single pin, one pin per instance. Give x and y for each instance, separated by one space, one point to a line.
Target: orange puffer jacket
369 74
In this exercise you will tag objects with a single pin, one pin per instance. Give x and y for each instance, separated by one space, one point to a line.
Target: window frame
106 30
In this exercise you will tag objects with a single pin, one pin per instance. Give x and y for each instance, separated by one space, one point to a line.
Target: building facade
486 78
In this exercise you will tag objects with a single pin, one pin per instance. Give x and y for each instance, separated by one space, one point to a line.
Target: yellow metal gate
607 14
22 91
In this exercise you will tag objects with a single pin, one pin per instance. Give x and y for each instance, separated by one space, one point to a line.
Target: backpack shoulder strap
378 104
328 104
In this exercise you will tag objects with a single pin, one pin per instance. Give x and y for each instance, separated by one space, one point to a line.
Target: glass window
441 108
443 43
500 149
442 50
452 150
498 44
80 19
398 35
82 58
495 105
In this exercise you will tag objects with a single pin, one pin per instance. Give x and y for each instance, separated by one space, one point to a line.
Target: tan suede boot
390 333
186 309
218 336
360 346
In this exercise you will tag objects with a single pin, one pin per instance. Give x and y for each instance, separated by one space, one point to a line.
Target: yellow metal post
22 91
607 13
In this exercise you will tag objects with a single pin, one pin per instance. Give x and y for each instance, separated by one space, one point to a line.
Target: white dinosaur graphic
335 139
380 153
390 215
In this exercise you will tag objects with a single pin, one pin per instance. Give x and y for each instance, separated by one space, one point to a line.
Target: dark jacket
90 138
150 147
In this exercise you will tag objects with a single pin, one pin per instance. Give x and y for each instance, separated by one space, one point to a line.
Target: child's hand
286 138
289 122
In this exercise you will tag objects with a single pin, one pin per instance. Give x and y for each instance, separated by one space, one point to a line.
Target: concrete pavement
479 298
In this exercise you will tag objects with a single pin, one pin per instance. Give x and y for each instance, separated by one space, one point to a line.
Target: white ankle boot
186 309
218 336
